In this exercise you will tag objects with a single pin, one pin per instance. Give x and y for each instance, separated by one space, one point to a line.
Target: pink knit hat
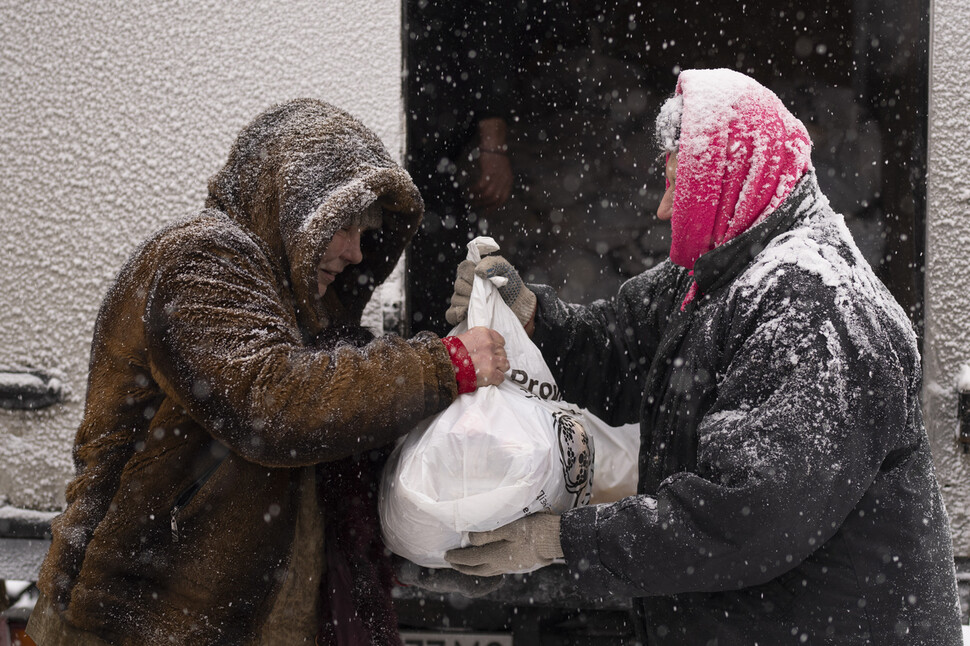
741 152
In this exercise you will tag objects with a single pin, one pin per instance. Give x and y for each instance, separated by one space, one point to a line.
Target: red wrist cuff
464 368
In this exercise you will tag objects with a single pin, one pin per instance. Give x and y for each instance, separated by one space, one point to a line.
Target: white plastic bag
617 459
493 456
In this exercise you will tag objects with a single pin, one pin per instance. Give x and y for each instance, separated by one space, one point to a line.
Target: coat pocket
187 494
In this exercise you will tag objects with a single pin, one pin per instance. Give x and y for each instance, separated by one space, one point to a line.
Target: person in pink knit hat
786 489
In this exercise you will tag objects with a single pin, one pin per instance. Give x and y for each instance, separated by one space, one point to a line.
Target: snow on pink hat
741 152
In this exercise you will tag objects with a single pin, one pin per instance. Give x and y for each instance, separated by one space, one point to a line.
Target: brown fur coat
212 344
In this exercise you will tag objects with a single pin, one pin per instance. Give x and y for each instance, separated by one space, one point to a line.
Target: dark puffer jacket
216 370
786 492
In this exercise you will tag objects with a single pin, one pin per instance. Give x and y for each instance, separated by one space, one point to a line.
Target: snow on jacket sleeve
620 337
814 391
224 343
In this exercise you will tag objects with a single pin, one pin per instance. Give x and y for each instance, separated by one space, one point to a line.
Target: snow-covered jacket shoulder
786 486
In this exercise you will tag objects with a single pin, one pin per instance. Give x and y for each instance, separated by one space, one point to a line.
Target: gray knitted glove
445 581
516 295
517 547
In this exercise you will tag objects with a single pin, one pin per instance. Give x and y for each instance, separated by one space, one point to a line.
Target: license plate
411 638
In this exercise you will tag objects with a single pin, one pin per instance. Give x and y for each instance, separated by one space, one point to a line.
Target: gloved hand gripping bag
493 456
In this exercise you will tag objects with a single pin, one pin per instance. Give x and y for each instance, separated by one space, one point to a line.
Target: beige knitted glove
517 547
464 277
516 295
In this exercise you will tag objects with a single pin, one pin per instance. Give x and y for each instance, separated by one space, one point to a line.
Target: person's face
343 250
666 208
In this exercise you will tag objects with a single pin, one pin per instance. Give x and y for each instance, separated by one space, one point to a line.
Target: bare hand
495 179
486 347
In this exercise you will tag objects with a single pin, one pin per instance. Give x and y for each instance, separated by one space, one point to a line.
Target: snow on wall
947 343
113 116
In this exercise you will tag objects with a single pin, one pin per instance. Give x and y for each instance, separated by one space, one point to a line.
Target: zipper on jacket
188 494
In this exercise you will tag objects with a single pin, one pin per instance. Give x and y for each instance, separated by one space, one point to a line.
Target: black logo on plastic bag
576 456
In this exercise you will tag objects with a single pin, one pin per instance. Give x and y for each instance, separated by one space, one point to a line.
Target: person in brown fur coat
237 413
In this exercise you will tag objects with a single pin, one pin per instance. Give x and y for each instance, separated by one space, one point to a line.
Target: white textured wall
112 117
947 344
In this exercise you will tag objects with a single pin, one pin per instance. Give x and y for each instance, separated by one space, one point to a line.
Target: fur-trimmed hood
297 174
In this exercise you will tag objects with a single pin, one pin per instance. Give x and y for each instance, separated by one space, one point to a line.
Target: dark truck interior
579 84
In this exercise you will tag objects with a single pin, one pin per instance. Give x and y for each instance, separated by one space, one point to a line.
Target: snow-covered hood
296 175
741 153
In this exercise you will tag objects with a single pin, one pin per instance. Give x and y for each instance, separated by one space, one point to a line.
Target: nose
666 208
352 253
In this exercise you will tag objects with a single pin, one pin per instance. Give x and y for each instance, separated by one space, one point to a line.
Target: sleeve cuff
581 552
462 361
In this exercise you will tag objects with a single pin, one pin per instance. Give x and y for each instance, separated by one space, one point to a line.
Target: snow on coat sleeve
225 344
813 394
619 335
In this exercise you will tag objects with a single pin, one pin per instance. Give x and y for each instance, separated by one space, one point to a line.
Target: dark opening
577 85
